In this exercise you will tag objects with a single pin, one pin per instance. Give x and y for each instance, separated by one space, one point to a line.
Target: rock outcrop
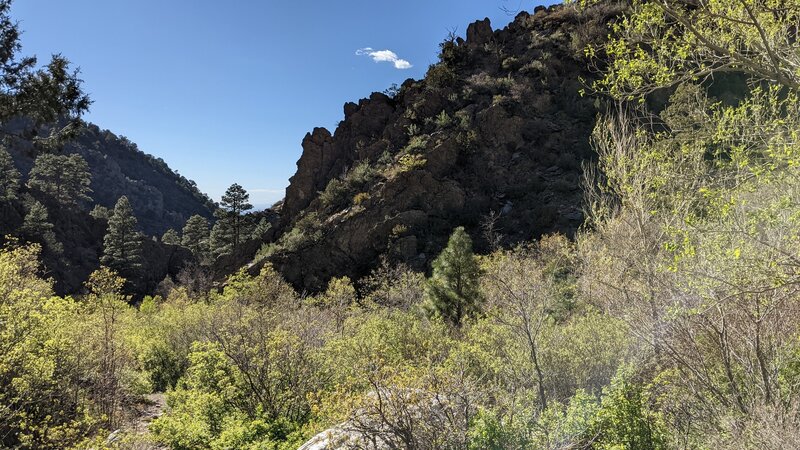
493 138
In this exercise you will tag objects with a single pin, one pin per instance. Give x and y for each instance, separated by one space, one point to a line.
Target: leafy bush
440 76
411 162
340 190
416 144
443 120
360 198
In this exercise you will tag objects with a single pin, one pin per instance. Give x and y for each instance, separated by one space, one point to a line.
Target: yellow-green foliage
657 44
360 198
411 162
670 323
36 352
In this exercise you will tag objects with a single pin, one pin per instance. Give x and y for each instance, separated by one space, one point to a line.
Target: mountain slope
492 138
161 198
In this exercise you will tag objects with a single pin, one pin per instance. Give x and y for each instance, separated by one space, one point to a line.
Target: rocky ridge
493 138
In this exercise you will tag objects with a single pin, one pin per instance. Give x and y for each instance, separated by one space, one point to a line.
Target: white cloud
384 56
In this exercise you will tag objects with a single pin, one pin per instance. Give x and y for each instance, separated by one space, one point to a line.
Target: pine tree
195 236
100 212
452 291
9 177
38 228
64 178
235 202
261 229
123 243
171 237
221 241
45 92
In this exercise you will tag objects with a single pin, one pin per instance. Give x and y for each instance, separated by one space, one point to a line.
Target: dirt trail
153 409
136 434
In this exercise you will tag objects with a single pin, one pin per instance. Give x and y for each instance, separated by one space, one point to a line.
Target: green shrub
443 120
340 190
335 192
411 162
440 76
511 63
625 420
416 144
360 198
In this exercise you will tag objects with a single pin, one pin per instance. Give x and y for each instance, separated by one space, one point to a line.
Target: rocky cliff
493 138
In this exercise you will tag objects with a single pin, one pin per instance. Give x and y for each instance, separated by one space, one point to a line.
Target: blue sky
226 93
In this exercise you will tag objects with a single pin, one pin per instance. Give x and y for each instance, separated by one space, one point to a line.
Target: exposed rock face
480 32
315 163
497 129
324 155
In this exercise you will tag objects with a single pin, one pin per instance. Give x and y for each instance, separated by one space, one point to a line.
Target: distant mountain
493 138
161 199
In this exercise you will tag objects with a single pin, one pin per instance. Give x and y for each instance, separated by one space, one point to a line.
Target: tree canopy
452 291
667 42
195 236
122 246
64 178
235 202
9 177
45 94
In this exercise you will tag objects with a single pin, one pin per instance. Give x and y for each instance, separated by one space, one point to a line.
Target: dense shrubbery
257 366
669 323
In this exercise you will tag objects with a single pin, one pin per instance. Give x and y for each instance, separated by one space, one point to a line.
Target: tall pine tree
235 202
9 177
171 237
221 240
452 291
195 236
123 242
65 178
37 227
43 92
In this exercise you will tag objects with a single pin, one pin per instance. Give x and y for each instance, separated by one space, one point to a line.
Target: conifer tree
43 92
235 202
100 212
64 178
37 227
195 236
171 237
123 243
221 241
260 229
452 292
9 177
